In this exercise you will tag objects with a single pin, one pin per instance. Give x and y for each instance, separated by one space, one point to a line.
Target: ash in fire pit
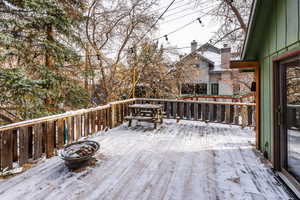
79 153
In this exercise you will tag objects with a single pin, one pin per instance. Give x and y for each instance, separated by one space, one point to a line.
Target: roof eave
250 24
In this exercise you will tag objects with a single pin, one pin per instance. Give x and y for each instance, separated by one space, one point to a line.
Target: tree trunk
49 58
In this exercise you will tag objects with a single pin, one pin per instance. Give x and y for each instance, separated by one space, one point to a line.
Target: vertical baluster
99 120
105 118
39 143
93 122
78 127
50 139
196 113
236 114
244 115
211 112
168 111
15 145
86 124
249 112
188 109
181 110
222 113
219 113
70 130
109 117
6 149
203 112
23 146
30 142
60 132
227 114
175 110
122 113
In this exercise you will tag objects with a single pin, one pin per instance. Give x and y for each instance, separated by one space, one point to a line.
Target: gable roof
209 47
194 53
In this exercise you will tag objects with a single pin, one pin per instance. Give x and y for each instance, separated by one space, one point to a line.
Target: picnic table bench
152 113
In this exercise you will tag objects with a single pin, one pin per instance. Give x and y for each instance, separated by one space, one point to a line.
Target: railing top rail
59 116
250 94
199 102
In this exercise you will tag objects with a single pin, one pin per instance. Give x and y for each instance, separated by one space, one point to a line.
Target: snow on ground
178 161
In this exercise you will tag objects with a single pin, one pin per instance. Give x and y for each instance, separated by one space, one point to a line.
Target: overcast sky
179 14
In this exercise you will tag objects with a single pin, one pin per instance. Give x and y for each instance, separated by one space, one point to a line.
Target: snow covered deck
185 160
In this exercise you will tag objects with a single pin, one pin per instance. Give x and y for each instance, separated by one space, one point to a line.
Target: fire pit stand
79 153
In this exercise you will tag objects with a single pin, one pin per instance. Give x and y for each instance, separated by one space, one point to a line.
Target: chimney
225 56
193 46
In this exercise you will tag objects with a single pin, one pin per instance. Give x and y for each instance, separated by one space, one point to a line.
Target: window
215 88
187 88
201 88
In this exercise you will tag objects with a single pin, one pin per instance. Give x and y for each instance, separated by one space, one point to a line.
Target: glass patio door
290 121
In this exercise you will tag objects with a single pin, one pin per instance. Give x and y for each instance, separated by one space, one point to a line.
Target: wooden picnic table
152 113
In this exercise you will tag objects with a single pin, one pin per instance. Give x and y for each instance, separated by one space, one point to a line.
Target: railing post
244 113
113 115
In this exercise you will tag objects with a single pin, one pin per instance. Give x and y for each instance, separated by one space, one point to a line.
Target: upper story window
215 89
201 88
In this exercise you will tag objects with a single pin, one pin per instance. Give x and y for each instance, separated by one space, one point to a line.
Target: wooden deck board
180 161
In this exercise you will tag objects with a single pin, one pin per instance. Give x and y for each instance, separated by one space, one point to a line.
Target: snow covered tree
38 57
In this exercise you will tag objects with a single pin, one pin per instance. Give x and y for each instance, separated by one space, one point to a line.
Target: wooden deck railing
33 139
209 111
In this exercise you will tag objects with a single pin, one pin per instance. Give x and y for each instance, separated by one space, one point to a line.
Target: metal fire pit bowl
78 161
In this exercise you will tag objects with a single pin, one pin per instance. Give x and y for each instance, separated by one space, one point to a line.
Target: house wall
280 35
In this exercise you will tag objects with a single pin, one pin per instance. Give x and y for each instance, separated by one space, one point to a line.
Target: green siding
275 32
292 21
281 23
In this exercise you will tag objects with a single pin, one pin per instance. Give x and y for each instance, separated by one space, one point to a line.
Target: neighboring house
272 47
209 71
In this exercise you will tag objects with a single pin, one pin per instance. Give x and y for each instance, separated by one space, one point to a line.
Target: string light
199 20
166 37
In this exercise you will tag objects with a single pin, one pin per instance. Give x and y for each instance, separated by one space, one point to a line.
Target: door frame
277 117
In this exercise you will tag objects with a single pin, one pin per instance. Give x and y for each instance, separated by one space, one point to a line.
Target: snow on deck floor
186 160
